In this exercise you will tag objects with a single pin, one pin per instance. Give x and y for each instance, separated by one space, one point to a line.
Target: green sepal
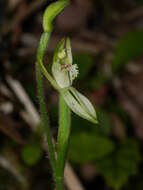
79 104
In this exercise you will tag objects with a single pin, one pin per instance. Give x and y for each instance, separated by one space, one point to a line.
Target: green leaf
87 146
121 164
128 48
31 154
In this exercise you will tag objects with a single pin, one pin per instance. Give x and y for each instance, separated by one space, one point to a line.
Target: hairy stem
44 118
57 165
40 55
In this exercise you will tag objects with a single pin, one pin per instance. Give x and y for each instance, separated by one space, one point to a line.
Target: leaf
31 154
128 48
86 147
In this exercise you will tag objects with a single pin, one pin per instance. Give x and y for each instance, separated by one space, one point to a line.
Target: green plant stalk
64 121
63 139
64 128
40 55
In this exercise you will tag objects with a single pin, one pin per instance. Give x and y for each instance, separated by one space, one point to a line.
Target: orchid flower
64 72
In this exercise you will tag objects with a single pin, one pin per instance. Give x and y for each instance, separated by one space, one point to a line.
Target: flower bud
51 12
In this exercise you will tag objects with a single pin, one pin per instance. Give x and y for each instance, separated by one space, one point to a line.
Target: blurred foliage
104 122
7 180
11 176
98 80
90 146
3 4
103 127
115 160
128 49
117 109
90 140
121 164
31 153
139 2
85 63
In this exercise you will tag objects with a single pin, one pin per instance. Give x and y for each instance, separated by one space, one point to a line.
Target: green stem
64 128
57 165
63 138
48 76
40 55
44 118
59 184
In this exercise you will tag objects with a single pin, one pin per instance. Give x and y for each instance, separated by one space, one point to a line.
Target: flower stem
40 55
45 118
57 164
64 121
59 184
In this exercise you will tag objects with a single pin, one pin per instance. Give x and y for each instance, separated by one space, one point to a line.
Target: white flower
64 73
63 70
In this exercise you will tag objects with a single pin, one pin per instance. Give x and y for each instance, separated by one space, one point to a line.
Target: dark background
107 42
